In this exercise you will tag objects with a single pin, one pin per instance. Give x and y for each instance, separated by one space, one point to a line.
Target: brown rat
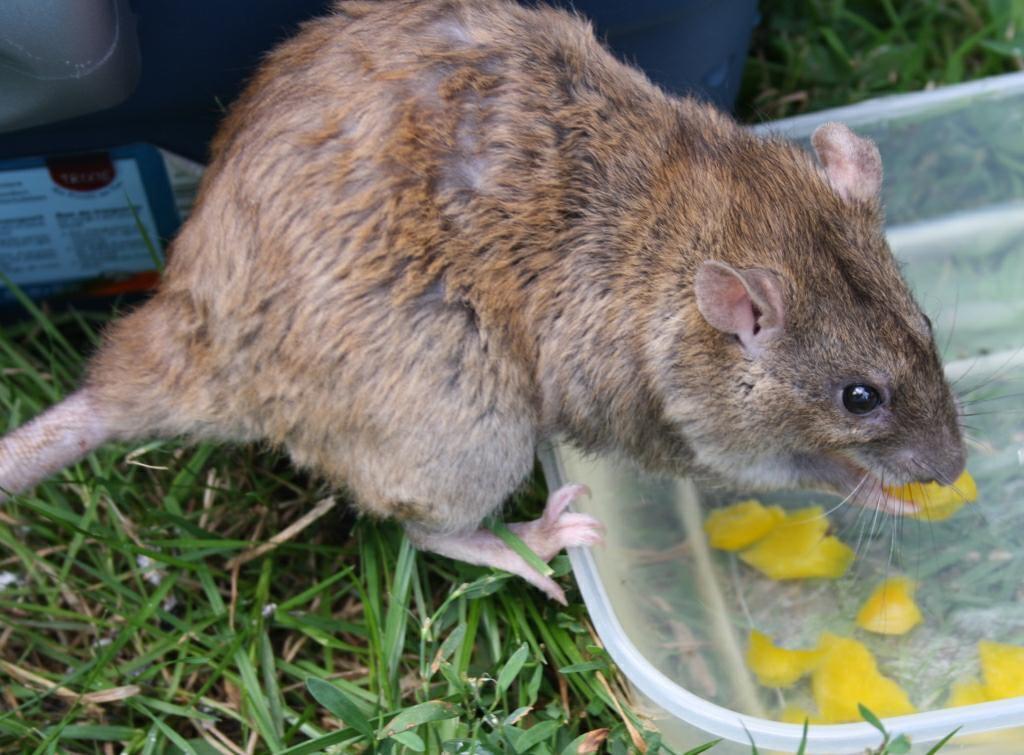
435 233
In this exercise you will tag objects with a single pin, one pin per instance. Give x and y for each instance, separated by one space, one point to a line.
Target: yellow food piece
794 714
1002 667
967 692
778 667
848 675
741 524
937 502
891 608
798 547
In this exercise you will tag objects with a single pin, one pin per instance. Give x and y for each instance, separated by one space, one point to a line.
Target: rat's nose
941 461
941 468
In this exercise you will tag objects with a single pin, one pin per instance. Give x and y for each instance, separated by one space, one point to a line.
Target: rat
433 234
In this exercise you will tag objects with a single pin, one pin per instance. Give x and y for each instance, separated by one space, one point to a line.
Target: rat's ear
852 164
745 303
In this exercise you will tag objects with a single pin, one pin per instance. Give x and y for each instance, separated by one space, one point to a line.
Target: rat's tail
55 439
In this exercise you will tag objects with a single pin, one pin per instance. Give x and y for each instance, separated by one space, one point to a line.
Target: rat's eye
860 398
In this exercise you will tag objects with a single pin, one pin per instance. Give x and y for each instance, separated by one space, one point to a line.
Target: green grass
138 623
813 54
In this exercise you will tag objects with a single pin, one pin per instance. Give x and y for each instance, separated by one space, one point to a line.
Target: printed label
71 219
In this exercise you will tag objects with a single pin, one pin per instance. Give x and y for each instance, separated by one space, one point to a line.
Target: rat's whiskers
849 496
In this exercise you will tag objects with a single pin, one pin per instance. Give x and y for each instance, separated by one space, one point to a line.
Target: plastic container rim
893 106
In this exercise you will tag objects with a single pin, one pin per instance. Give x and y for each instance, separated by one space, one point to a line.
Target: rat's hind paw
555 530
558 528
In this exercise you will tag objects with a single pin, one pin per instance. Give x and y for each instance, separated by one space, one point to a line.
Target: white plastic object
954 194
63 58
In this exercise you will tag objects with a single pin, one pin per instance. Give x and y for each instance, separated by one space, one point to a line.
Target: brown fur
435 233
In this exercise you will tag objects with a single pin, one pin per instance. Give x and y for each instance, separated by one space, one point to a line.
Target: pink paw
557 528
559 500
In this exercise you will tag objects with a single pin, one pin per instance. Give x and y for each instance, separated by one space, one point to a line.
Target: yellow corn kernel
937 502
891 608
798 547
778 667
967 692
848 675
741 524
1002 667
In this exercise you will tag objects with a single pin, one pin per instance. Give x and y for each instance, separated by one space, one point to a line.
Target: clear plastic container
675 614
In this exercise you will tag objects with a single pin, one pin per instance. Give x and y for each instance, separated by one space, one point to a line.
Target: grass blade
702 748
512 667
320 743
522 549
396 618
538 733
803 741
942 742
410 718
256 697
269 677
872 719
338 703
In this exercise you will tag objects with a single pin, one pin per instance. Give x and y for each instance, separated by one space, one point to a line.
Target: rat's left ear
744 303
853 165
